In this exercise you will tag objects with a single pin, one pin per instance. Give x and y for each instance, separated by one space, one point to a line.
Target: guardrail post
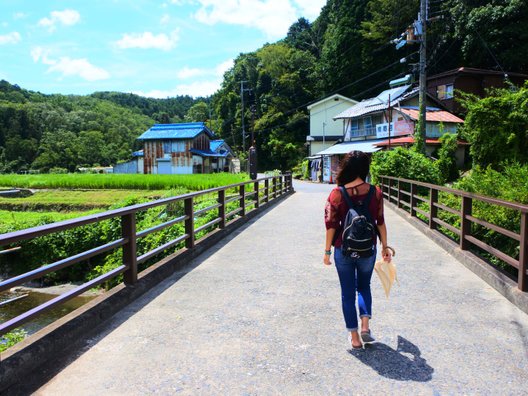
413 199
274 187
523 254
128 231
390 190
399 195
257 192
465 225
189 223
243 200
433 210
281 184
266 190
222 208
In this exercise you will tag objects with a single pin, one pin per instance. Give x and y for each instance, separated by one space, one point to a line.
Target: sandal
366 337
360 346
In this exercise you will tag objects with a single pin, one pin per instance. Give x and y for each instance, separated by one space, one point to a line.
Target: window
444 92
354 125
367 122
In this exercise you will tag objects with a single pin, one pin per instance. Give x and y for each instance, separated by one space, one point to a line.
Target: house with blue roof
184 148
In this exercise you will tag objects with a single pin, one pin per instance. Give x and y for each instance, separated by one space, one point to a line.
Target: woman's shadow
402 364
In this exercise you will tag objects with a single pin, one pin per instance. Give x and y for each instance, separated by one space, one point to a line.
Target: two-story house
379 122
184 148
325 131
444 86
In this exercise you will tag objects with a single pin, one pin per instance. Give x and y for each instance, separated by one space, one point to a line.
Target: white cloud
66 17
218 71
223 67
165 19
69 67
187 72
10 38
147 40
273 17
310 9
79 67
19 15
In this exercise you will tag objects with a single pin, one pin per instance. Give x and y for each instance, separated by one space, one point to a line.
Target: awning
208 153
367 146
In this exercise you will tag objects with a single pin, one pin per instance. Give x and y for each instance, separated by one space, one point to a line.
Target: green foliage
497 126
510 184
122 181
446 158
55 131
419 140
301 170
403 163
199 112
11 338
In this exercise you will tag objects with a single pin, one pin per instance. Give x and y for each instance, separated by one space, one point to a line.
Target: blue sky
153 48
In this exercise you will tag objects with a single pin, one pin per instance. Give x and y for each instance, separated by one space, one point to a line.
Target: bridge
258 313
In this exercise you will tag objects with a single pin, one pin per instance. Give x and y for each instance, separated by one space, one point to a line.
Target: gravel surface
261 315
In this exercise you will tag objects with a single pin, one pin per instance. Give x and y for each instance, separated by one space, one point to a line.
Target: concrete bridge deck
261 315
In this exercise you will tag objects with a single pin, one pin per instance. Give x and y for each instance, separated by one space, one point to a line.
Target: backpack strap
351 204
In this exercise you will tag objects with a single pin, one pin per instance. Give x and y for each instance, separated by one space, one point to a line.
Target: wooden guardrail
404 194
250 196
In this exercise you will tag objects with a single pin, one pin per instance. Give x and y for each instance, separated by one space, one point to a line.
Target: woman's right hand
387 252
326 260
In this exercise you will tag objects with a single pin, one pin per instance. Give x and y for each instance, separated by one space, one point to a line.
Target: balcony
369 131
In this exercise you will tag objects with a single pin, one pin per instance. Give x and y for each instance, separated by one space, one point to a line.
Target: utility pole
423 74
418 29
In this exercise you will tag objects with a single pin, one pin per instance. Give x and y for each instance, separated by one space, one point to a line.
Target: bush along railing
467 219
185 221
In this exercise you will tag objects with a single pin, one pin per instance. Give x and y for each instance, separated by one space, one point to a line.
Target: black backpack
359 231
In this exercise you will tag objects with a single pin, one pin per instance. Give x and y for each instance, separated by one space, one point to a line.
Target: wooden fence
249 196
421 200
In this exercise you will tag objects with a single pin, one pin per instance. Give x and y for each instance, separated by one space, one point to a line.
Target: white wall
324 112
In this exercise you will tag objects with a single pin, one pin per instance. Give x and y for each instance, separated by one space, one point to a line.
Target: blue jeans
354 275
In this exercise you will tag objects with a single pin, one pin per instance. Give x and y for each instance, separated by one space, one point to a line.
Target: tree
497 126
199 112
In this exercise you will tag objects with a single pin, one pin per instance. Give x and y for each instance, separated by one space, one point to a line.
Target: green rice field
131 182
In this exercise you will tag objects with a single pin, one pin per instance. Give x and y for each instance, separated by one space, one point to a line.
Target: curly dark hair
355 164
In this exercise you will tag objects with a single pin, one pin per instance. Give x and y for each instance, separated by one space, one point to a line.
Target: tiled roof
434 115
378 103
176 131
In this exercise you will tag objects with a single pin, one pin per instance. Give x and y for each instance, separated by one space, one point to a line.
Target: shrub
446 163
403 163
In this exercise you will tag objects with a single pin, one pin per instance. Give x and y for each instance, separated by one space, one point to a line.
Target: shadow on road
402 364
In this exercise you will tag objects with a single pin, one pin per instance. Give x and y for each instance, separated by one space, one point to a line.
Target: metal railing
405 195
368 131
250 196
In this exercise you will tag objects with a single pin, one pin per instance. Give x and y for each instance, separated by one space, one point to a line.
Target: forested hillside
346 50
57 132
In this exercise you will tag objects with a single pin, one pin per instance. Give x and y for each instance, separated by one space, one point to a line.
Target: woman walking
355 270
